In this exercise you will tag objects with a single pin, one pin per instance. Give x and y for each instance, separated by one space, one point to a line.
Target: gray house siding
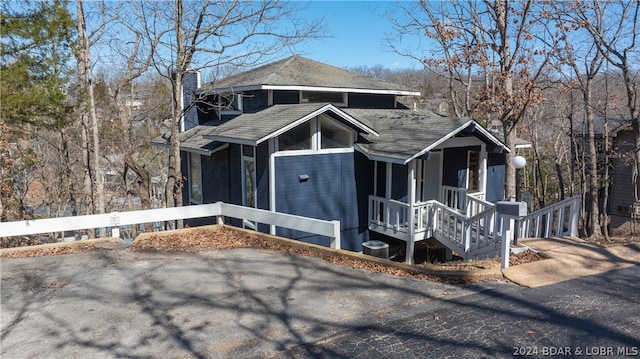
262 181
359 100
330 193
622 184
364 188
399 182
235 174
215 177
495 177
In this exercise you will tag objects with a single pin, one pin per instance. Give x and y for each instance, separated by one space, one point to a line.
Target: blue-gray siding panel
215 177
364 188
399 182
262 175
495 177
329 194
235 174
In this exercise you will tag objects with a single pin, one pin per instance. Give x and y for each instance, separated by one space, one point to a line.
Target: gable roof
406 134
296 73
392 135
255 128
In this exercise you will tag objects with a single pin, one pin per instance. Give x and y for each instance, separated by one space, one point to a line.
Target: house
614 142
301 137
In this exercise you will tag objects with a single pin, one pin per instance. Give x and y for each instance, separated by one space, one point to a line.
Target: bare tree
86 78
585 62
614 27
208 34
498 39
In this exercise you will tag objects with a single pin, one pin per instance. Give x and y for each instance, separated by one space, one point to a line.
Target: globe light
519 162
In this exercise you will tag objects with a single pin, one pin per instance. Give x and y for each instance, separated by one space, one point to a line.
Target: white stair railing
558 219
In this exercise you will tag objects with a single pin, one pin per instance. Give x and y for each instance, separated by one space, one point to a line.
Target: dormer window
230 104
297 138
336 98
318 134
334 135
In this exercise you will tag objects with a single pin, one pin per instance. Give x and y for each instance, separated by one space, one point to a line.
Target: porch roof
192 140
255 128
406 134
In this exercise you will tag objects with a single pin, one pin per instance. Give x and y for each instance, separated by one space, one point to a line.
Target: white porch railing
469 235
559 219
389 216
465 234
458 198
329 229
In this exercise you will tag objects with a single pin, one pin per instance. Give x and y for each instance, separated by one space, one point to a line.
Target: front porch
445 193
461 221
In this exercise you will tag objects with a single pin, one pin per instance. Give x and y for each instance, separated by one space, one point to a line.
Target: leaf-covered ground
206 239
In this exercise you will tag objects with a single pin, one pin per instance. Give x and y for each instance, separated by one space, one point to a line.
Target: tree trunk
594 183
85 60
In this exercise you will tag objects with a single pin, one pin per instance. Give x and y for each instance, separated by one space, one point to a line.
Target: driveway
240 302
255 303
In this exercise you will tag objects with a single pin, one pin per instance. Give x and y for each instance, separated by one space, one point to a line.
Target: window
333 135
298 138
195 177
336 98
230 103
473 182
248 179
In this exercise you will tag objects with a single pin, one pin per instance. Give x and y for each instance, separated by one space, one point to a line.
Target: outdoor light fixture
518 162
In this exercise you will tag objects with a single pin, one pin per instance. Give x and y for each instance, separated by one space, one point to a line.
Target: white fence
219 210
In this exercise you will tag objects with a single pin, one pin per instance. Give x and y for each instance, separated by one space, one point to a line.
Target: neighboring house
613 138
305 138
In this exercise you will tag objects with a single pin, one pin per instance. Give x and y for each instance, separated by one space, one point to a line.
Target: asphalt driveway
248 303
240 302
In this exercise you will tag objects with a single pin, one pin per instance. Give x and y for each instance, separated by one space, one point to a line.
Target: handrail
551 220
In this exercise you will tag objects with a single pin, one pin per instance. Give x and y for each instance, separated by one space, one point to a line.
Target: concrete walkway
570 258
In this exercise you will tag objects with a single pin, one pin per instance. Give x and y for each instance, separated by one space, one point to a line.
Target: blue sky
357 31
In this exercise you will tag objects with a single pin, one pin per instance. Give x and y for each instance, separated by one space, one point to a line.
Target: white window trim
316 140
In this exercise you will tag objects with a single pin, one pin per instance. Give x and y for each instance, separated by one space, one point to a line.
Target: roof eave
235 89
452 134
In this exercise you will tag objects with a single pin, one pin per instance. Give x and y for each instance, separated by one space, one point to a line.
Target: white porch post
272 182
412 199
483 171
